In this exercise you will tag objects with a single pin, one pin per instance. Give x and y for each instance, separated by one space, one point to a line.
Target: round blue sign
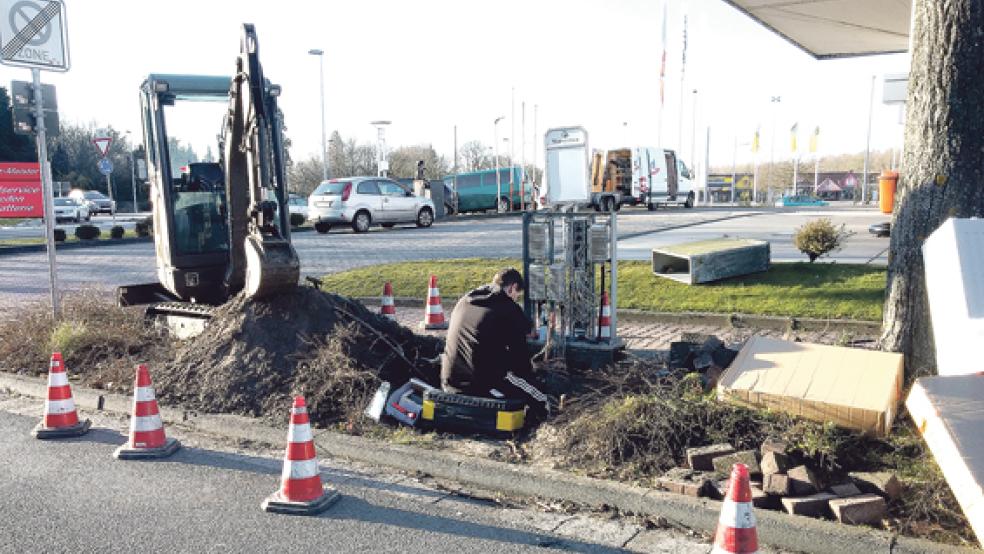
105 166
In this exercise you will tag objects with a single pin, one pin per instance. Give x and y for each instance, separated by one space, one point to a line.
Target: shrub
59 235
820 237
145 227
87 232
116 232
296 220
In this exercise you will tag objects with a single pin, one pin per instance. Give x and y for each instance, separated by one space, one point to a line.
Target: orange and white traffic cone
147 438
301 491
60 419
736 533
387 307
434 311
605 318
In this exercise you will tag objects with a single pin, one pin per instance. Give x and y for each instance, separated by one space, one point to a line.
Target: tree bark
941 175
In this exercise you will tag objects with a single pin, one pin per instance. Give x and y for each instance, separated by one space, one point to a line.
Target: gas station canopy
835 28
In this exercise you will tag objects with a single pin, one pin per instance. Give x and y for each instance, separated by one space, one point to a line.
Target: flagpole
662 77
683 74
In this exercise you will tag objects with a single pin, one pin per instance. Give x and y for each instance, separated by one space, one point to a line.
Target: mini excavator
220 228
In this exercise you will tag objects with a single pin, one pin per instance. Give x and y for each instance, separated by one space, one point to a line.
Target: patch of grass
839 291
11 221
67 337
27 241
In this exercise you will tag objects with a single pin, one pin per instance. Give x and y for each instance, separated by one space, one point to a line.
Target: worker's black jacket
486 339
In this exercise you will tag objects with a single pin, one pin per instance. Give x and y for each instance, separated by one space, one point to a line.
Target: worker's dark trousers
529 390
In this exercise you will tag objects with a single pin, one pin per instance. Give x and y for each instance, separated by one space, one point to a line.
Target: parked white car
71 209
297 205
365 201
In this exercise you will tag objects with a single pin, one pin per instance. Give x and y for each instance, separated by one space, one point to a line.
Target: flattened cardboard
948 410
854 388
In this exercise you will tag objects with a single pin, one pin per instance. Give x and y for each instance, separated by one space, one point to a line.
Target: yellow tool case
471 414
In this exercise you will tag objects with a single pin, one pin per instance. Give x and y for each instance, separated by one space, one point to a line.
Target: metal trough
711 260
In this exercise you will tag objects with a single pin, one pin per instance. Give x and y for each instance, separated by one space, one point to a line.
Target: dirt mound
256 354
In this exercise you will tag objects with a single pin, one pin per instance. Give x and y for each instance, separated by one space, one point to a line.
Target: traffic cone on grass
736 533
605 318
60 419
301 491
147 438
387 307
434 311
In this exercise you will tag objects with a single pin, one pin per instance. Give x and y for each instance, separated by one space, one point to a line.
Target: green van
478 190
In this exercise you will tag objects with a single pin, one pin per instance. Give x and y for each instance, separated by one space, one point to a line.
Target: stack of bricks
781 481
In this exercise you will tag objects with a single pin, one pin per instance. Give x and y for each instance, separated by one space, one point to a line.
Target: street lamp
324 140
382 167
772 161
133 173
498 178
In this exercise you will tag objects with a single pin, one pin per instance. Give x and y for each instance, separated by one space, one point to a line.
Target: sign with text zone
20 190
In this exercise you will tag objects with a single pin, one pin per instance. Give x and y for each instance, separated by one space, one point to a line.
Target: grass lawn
26 241
10 222
796 290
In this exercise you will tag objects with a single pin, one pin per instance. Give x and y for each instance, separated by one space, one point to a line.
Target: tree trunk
942 172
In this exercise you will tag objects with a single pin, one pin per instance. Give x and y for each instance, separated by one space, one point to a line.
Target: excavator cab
221 226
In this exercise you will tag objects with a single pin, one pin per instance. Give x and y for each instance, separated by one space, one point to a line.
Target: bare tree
403 162
475 156
943 165
305 175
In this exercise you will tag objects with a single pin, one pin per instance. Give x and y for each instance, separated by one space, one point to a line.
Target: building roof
835 28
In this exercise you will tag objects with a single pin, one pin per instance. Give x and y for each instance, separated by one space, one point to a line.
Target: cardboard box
854 388
948 410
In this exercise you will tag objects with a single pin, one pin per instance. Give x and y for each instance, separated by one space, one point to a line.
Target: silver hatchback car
365 201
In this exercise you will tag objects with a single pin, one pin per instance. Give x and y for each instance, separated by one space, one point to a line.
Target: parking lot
23 277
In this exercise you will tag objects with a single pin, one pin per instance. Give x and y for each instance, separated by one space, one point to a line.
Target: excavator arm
262 260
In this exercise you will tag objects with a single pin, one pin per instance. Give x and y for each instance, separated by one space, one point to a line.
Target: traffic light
25 121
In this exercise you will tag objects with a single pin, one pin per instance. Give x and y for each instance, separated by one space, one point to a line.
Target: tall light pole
498 178
382 167
772 159
867 144
693 130
324 138
133 173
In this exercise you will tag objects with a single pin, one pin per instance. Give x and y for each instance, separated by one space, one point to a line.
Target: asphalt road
23 277
72 496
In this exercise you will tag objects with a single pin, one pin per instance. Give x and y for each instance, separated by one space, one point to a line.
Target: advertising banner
20 190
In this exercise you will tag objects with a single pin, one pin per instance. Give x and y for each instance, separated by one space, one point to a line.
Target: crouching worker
485 353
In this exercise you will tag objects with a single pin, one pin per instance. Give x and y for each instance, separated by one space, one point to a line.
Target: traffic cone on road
301 491
147 438
60 419
605 318
736 533
387 307
434 311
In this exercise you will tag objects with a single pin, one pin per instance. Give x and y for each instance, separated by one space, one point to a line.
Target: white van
641 175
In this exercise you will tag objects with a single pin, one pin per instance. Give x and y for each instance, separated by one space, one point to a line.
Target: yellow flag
792 136
755 141
814 138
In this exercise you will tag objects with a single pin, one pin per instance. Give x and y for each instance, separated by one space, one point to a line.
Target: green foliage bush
116 232
296 220
145 227
87 232
820 237
60 235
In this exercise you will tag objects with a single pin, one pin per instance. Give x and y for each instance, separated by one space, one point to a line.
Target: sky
431 65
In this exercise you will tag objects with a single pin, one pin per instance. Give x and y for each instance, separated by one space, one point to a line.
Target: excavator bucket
272 266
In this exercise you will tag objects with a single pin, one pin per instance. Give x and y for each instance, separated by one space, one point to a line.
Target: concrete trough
711 260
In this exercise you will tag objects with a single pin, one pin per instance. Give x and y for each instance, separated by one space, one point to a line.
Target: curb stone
774 529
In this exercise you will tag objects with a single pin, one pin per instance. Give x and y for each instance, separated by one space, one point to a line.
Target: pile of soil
255 355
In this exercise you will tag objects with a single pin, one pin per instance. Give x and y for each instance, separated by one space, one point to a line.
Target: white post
324 139
522 172
46 187
707 164
816 175
734 170
867 146
512 147
498 177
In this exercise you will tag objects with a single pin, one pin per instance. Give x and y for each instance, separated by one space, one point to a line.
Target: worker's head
510 281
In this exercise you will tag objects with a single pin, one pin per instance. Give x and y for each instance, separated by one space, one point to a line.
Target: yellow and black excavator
220 228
